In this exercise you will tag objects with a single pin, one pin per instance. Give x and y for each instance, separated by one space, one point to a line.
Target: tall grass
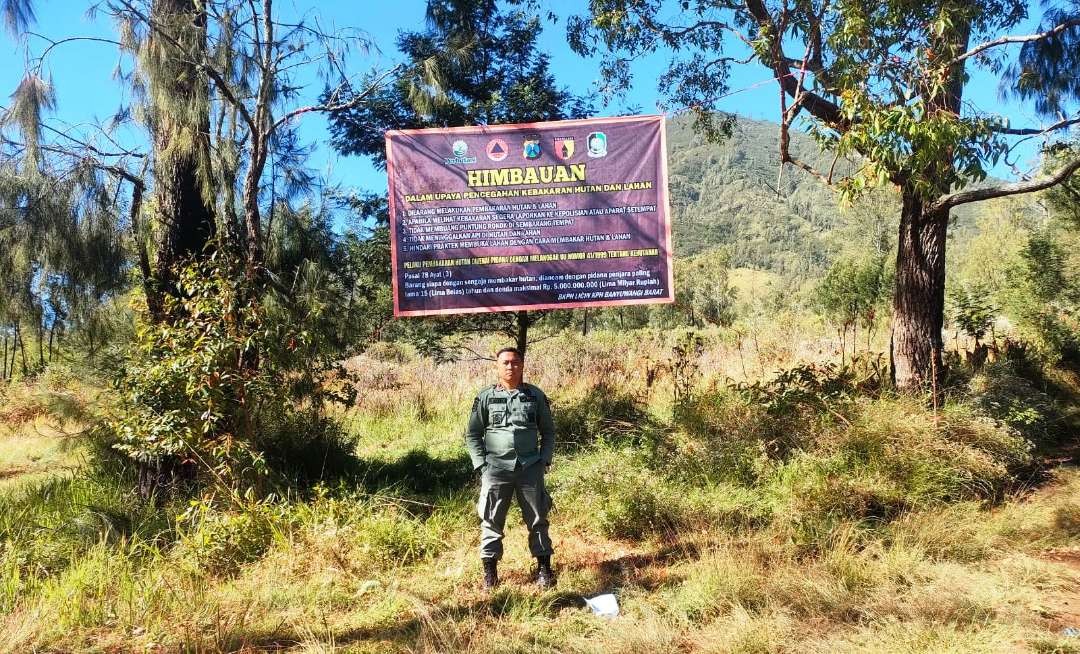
807 511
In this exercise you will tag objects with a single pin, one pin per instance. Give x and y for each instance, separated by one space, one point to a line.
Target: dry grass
793 556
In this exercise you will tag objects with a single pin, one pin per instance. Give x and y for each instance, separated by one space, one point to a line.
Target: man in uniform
511 438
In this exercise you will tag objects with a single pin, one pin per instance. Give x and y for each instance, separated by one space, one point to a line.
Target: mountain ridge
732 195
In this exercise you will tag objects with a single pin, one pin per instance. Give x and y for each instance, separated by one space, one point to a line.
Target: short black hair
516 351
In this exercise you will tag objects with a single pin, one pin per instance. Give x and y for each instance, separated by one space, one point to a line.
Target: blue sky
86 91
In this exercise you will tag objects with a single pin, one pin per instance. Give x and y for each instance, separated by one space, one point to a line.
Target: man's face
510 366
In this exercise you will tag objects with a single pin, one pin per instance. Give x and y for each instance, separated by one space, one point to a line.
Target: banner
534 216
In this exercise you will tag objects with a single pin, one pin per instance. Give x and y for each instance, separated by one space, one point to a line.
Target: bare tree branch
1035 131
357 99
40 59
826 111
977 195
91 148
1027 38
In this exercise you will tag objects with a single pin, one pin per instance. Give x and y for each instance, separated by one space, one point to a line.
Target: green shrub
394 537
218 541
636 511
227 378
621 495
1067 519
889 457
724 438
1002 393
605 414
388 352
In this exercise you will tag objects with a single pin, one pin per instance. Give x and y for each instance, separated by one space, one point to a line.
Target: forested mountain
727 195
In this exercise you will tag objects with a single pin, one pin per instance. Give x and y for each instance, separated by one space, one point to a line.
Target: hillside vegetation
731 195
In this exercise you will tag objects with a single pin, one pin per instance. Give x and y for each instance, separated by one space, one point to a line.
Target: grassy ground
811 513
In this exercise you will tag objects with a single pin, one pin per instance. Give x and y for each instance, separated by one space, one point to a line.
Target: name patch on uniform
497 400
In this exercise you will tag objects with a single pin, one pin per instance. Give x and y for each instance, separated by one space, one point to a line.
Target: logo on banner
461 151
531 147
497 150
597 143
564 147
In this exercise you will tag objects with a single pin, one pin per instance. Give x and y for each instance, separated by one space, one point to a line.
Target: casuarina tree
217 89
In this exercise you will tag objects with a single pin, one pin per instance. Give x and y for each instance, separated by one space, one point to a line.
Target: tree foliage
854 293
488 67
218 88
61 257
702 290
1043 298
882 84
972 311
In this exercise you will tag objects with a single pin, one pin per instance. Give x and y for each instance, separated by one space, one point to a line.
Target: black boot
491 573
545 577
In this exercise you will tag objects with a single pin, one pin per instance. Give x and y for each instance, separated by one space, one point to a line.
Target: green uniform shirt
510 426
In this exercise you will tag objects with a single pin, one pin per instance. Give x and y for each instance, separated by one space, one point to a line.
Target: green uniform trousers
497 488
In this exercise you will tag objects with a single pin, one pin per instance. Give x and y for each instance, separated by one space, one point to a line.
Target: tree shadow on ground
417 472
604 414
514 599
304 456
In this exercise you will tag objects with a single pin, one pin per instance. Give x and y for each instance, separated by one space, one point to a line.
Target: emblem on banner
564 147
531 147
597 143
497 150
461 151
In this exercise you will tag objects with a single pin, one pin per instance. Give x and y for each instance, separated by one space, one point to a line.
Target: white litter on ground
605 606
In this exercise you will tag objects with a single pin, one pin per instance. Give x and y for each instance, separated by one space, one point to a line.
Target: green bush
621 495
1002 393
1067 519
219 541
604 414
636 511
723 438
231 375
395 537
388 352
890 457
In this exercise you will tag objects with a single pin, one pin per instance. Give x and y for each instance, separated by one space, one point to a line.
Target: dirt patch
1068 556
20 414
1062 609
13 471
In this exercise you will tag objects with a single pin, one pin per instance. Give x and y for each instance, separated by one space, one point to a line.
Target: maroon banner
534 216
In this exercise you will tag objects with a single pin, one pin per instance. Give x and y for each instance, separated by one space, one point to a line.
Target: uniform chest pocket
526 413
496 416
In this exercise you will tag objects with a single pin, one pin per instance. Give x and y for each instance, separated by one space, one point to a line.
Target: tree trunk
919 302
41 340
3 359
521 338
181 134
22 349
150 289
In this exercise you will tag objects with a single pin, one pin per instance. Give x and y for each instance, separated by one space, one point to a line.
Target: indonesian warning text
540 216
